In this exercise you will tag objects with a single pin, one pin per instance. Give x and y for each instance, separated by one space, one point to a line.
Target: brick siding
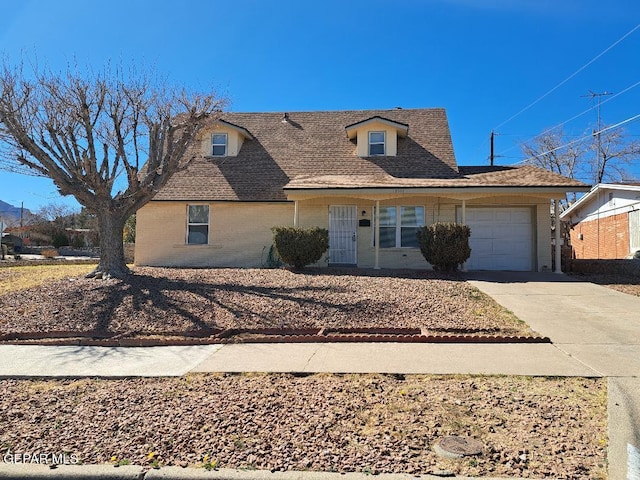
606 238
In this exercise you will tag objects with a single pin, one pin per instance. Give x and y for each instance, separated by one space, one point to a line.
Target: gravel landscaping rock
529 427
162 301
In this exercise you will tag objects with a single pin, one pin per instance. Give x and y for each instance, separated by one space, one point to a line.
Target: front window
219 144
400 231
411 220
198 225
376 143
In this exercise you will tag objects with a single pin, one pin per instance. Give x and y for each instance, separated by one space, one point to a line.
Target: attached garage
501 238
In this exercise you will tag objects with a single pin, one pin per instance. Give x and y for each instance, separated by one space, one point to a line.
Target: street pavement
595 333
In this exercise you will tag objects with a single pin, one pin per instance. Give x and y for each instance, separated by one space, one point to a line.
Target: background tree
546 151
130 229
612 153
109 139
593 159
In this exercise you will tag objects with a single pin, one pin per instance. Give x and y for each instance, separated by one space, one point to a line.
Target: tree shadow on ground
173 305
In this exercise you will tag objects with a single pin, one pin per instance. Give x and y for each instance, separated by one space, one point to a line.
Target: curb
134 472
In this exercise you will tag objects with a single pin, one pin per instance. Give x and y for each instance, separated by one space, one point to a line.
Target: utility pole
491 155
598 128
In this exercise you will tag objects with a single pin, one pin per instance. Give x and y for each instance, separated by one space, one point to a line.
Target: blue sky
482 60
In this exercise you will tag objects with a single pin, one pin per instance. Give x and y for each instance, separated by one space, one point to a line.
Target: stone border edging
261 335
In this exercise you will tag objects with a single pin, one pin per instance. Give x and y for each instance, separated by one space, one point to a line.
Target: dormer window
377 143
219 144
377 136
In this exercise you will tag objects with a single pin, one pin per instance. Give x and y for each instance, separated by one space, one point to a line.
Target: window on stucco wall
399 226
377 142
198 225
219 144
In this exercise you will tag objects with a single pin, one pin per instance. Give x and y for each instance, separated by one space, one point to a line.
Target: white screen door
343 229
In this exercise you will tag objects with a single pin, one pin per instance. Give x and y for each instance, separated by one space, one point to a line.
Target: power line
584 112
569 77
606 129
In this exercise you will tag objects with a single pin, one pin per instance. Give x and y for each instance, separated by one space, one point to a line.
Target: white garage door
501 238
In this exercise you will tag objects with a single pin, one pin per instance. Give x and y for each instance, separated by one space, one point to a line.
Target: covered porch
375 227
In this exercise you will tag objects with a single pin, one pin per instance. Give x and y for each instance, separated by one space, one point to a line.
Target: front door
343 230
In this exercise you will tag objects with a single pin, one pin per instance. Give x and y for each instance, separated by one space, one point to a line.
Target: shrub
445 245
50 253
60 239
300 247
77 241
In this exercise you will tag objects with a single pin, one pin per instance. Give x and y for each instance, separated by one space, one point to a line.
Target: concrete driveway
593 324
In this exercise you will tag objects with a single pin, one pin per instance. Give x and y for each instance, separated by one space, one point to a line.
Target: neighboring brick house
605 223
371 177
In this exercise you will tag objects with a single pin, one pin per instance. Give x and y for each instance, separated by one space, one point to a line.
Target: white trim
464 222
558 250
241 130
376 266
208 224
226 144
593 194
401 128
384 143
398 224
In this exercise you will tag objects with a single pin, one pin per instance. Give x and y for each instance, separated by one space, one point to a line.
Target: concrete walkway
595 332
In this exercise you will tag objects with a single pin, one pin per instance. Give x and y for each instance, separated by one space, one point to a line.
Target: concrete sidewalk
409 358
23 361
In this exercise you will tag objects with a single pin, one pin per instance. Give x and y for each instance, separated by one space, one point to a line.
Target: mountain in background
11 214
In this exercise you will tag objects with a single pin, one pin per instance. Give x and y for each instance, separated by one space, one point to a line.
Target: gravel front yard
161 300
529 427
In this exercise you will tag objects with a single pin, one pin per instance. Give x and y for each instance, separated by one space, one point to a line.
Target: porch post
558 250
295 213
376 218
464 222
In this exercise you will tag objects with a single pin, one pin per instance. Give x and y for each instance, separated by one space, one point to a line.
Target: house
605 223
371 177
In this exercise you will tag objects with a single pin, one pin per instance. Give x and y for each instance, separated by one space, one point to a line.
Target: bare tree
601 158
549 151
612 152
95 133
553 151
55 211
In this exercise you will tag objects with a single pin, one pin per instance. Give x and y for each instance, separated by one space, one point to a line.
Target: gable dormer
224 139
377 136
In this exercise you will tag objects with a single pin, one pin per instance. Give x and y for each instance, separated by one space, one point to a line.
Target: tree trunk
112 263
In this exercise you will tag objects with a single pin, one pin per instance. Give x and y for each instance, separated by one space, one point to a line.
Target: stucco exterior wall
239 234
391 139
234 140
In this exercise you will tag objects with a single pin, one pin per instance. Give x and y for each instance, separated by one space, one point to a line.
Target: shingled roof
312 150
